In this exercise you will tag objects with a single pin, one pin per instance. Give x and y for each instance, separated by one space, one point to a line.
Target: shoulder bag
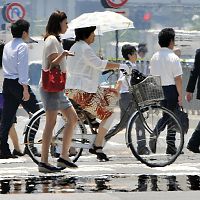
53 79
183 118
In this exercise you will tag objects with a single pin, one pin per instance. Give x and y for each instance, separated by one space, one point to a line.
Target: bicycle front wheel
156 139
33 138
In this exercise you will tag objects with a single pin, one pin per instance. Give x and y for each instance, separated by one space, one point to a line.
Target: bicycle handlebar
107 71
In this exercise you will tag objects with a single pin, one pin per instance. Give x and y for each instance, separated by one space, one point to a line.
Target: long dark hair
53 26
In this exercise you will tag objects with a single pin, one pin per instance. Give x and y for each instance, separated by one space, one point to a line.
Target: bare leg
47 134
101 134
72 118
98 145
14 138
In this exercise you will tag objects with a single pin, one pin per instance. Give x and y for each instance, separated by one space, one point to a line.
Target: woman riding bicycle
84 71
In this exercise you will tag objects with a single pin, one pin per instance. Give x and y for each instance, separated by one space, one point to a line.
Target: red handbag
53 80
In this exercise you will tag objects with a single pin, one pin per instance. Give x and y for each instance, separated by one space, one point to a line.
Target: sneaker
193 149
34 151
44 168
143 151
65 163
17 153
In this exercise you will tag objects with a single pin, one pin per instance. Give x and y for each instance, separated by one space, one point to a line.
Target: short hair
165 36
197 51
53 25
18 27
126 50
142 48
84 33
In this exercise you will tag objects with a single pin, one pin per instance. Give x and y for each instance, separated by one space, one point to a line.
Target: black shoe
193 149
143 151
34 151
7 156
17 153
5 151
93 122
44 168
65 163
100 155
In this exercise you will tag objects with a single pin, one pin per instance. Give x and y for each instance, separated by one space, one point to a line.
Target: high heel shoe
98 151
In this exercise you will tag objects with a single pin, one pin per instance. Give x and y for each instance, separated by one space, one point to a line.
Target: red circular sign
15 11
116 3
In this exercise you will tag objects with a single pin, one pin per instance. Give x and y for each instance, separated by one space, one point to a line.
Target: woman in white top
84 70
54 55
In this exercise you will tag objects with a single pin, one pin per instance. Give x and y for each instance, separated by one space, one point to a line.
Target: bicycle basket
148 91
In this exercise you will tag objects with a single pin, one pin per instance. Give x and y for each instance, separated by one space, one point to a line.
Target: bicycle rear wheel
33 137
162 136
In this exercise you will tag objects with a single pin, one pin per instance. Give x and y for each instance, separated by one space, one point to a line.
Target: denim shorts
54 100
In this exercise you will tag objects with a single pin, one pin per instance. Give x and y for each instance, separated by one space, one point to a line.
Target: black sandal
100 155
94 123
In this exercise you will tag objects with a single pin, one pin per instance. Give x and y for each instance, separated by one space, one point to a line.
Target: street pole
117 43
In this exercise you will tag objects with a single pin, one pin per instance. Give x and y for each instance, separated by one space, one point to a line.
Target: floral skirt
100 104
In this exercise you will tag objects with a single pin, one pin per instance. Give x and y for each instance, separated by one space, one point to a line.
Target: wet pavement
123 174
103 184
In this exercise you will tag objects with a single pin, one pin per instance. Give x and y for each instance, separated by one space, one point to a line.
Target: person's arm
26 95
112 65
52 52
118 86
178 82
94 61
194 74
177 73
189 96
55 58
22 62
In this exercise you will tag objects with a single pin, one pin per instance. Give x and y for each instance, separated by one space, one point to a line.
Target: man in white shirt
16 90
166 64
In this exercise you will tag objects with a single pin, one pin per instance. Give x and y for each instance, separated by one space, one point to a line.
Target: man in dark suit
194 142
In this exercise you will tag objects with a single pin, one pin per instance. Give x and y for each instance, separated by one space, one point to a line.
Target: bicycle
146 96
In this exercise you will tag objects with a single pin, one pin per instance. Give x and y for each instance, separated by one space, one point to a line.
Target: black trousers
170 102
126 102
195 138
13 94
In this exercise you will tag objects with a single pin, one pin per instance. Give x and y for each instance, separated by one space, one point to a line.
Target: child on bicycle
129 53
